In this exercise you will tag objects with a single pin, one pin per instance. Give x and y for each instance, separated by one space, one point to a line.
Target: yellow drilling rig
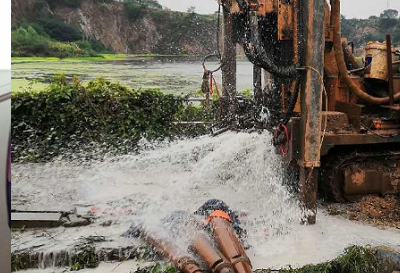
336 118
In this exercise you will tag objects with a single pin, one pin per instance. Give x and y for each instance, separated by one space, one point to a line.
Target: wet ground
178 75
241 169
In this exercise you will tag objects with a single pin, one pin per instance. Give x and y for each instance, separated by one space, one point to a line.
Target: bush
59 30
67 3
356 259
67 117
133 9
28 42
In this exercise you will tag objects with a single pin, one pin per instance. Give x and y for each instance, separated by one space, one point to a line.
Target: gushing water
238 168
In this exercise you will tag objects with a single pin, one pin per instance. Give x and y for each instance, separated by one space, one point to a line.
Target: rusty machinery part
253 46
230 246
185 264
349 57
339 55
212 257
348 175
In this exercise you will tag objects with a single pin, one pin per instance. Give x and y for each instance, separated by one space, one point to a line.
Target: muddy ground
382 212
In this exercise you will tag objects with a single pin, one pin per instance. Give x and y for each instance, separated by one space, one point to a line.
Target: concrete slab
35 220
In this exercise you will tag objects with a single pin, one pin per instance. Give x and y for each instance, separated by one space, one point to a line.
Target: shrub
28 42
133 9
59 30
67 3
66 117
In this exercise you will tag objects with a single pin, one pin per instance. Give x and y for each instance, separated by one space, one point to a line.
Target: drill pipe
184 264
229 244
213 258
203 247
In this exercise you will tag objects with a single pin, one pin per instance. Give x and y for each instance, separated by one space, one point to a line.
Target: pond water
178 75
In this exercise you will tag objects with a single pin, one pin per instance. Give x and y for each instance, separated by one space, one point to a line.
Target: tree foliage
389 14
361 31
136 8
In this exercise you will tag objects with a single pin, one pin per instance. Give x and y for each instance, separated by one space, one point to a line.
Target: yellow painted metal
376 61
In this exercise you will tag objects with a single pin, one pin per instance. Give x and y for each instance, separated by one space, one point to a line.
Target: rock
75 221
106 223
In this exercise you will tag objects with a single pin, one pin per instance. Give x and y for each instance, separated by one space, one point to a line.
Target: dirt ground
382 212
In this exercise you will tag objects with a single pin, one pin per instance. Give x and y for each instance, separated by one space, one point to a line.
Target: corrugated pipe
264 58
342 64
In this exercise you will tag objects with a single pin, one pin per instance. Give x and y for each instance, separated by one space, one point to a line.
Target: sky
350 8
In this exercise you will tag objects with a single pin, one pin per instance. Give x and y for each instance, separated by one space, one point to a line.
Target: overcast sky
350 8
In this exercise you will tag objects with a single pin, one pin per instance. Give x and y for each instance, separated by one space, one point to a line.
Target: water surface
178 75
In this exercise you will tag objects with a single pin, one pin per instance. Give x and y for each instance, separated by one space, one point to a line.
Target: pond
178 75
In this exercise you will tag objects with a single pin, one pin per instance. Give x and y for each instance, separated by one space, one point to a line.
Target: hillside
361 31
87 27
122 28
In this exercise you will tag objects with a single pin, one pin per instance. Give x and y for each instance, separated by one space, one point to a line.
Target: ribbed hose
342 64
242 4
264 58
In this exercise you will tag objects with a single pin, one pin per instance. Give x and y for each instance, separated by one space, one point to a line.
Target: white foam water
239 168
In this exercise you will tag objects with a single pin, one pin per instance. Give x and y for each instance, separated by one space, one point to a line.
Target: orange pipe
229 244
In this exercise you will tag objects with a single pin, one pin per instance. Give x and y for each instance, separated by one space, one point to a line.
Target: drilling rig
336 118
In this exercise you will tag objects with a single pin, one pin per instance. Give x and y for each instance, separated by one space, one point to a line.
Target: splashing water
238 168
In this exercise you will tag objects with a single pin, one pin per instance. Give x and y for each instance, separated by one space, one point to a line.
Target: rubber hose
263 57
242 5
349 57
293 100
354 89
250 54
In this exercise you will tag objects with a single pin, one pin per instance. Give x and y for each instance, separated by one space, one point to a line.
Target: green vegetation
99 57
361 31
50 37
40 39
136 8
68 118
157 268
356 259
86 258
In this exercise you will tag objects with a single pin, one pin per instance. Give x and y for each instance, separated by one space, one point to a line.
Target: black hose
292 103
242 5
264 58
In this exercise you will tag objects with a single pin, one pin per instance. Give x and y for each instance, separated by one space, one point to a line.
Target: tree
389 14
191 9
